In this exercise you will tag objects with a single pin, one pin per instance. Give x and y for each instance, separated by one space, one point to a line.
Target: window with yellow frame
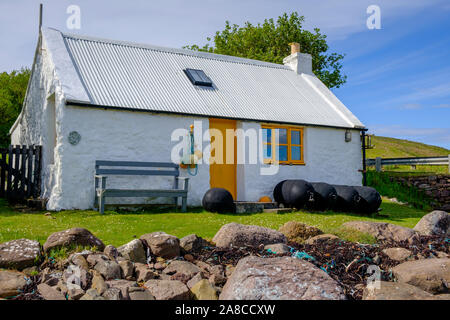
288 148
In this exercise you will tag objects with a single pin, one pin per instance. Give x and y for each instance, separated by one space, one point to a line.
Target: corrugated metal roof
143 77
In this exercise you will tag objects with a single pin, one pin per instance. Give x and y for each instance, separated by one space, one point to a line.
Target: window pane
267 135
267 149
196 76
282 153
295 153
283 136
295 137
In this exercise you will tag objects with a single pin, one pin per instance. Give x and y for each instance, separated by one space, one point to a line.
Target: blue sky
398 77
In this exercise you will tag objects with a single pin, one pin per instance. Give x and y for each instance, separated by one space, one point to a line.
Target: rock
75 294
182 267
382 230
140 294
112 294
203 290
76 277
280 278
322 238
94 258
298 232
238 235
31 271
217 276
79 260
72 237
123 285
394 291
49 293
134 251
109 269
191 243
194 280
189 257
92 294
51 277
434 223
397 254
111 252
19 254
143 272
431 275
168 289
98 283
127 269
162 244
277 248
11 283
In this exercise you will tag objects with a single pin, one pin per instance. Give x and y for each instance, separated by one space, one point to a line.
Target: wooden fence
20 172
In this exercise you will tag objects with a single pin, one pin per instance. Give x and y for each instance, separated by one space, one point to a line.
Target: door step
254 207
278 210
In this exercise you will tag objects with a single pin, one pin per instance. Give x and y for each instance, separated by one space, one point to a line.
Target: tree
270 42
12 93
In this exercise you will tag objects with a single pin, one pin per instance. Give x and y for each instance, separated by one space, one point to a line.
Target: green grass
117 228
397 148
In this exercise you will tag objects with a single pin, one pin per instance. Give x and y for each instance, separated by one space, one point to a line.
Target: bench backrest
115 168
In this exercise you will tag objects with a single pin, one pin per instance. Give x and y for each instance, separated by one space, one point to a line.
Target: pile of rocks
245 262
436 187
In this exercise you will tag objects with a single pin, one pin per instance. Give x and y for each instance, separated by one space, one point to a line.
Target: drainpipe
363 147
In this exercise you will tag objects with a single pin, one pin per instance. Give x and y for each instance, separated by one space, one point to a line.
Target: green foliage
387 186
61 253
12 93
270 42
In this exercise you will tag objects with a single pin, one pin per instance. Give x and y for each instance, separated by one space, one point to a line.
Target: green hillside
397 148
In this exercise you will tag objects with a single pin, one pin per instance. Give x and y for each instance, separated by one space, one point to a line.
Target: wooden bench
122 168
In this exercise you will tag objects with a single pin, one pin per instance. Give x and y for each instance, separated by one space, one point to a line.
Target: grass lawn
117 228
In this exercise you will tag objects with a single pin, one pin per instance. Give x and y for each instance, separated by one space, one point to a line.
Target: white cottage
93 99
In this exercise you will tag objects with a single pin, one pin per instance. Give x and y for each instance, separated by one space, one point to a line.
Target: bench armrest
102 179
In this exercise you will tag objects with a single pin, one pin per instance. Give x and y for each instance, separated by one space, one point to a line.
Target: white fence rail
380 162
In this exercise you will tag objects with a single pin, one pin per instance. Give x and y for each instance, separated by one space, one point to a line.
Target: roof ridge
200 54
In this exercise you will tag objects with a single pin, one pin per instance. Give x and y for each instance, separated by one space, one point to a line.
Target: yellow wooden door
223 173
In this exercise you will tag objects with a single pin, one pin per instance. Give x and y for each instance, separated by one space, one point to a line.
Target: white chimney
297 61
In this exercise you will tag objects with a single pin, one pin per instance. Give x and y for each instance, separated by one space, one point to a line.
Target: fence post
449 163
378 164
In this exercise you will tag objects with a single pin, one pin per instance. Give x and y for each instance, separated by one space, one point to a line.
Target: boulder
112 294
79 260
397 254
134 251
111 252
203 290
127 269
382 231
238 235
75 294
322 238
49 293
182 267
394 291
168 289
109 269
280 278
217 275
431 275
11 283
137 293
162 244
143 272
277 248
94 258
194 280
191 243
92 294
98 283
434 223
298 232
76 277
123 285
19 254
51 277
73 237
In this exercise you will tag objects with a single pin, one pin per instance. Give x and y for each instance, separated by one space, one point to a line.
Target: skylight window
198 77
